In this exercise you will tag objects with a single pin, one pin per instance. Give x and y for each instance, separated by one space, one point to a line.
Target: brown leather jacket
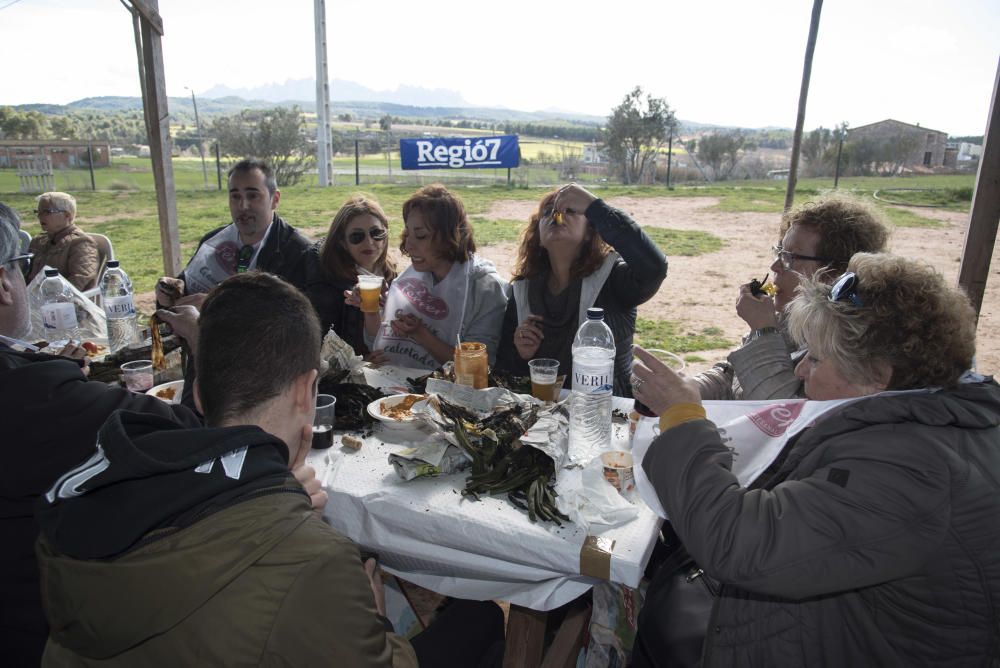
71 251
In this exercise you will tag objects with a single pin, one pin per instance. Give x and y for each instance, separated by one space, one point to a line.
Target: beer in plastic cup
371 290
544 374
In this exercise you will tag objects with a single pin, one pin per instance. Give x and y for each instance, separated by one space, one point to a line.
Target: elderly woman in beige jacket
62 244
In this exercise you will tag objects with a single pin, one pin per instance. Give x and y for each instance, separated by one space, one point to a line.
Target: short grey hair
10 239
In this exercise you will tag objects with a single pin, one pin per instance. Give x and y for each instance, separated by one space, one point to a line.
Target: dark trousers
464 633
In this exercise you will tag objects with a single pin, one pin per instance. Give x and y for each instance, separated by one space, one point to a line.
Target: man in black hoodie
50 416
181 546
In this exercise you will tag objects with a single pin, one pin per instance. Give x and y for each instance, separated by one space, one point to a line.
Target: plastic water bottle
119 309
593 373
58 308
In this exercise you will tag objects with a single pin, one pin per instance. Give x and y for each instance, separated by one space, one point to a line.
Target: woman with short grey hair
873 537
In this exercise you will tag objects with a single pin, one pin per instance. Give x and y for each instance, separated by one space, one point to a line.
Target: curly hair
845 225
333 254
909 319
444 213
533 260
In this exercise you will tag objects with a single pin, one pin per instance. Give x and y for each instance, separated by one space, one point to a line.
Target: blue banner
460 152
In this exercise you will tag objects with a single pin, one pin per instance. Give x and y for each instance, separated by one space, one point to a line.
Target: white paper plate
375 410
176 385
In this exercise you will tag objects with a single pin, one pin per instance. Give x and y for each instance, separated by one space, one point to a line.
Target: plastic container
58 308
593 384
119 307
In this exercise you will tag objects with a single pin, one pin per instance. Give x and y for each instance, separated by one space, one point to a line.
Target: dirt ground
701 291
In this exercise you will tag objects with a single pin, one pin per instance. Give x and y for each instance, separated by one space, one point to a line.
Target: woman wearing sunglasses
873 538
817 240
357 243
577 252
62 244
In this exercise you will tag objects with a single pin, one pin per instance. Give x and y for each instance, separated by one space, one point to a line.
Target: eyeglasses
243 260
25 262
788 258
846 290
376 233
39 212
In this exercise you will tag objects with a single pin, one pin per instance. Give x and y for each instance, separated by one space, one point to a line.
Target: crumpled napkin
340 355
587 498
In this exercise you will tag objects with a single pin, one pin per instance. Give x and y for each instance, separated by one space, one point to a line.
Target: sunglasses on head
376 233
846 290
23 260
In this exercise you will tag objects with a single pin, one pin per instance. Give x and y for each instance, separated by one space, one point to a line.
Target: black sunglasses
25 262
376 233
243 260
846 290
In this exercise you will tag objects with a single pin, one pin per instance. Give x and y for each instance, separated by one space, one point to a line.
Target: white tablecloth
424 531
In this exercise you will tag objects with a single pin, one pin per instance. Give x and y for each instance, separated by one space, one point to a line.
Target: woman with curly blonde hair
872 538
577 252
357 242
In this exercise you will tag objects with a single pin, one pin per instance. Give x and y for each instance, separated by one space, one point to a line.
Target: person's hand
195 300
756 312
183 321
658 386
169 290
75 351
306 475
378 589
407 325
572 199
353 297
377 358
528 336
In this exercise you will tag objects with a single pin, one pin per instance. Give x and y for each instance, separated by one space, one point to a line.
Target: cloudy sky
729 62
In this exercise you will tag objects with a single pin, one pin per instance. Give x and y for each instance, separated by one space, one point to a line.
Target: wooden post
840 148
218 165
670 155
793 169
90 163
357 164
985 212
154 93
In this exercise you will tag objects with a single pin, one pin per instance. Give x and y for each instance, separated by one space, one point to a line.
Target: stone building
928 145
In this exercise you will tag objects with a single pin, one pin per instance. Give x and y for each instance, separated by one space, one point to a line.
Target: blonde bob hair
908 320
57 200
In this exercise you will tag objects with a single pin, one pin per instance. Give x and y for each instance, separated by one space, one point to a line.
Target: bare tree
636 131
722 151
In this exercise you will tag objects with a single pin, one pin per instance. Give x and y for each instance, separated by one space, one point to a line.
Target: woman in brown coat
62 244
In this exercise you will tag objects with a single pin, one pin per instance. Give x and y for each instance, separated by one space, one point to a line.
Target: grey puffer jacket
763 368
876 542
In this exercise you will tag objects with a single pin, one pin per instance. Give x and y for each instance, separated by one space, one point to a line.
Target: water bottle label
119 307
59 316
592 383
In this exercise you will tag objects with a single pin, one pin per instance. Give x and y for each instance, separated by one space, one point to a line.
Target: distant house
594 154
928 145
63 154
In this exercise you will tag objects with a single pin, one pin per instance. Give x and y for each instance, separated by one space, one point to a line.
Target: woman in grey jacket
577 252
873 539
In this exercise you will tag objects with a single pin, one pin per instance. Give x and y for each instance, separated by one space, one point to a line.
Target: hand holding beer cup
370 288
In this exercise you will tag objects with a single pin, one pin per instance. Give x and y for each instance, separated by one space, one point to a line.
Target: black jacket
634 279
283 253
51 415
327 296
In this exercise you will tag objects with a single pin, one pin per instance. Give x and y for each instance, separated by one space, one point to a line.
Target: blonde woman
62 244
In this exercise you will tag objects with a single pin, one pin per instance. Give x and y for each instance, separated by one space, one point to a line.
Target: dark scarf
561 313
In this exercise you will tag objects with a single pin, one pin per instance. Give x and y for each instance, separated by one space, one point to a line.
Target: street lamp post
201 142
